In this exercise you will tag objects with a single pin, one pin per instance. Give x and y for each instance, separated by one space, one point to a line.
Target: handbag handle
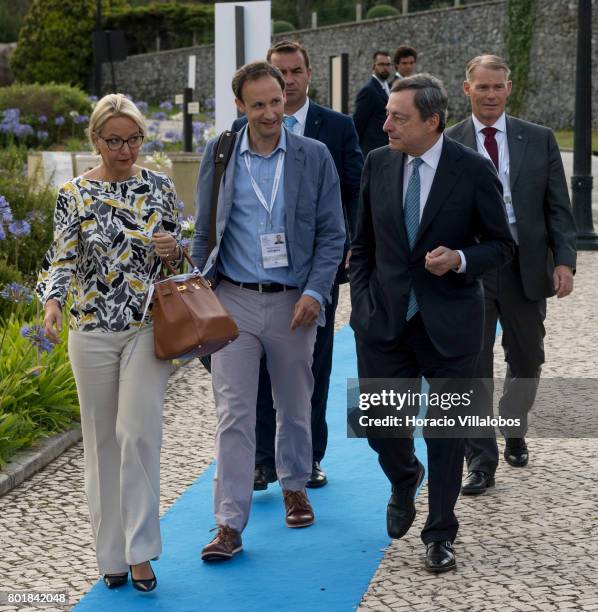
172 268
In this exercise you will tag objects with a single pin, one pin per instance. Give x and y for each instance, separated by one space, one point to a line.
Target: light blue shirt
240 250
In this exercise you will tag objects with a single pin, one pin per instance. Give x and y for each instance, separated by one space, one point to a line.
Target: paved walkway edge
26 463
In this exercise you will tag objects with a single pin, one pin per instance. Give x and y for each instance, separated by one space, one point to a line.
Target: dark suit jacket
337 132
545 223
464 211
370 115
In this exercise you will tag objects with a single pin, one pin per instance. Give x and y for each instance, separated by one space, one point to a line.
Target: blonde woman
113 226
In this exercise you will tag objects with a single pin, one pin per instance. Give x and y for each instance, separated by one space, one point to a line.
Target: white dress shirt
301 116
427 171
502 145
383 84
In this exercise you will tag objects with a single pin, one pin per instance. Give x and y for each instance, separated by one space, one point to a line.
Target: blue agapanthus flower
19 294
59 120
166 105
19 228
37 336
5 212
160 116
42 119
142 106
42 135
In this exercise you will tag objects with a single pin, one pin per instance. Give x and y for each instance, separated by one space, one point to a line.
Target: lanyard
256 187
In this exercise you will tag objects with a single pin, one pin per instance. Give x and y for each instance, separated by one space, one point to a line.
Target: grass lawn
565 139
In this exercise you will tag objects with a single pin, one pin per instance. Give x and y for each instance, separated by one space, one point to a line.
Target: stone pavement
530 544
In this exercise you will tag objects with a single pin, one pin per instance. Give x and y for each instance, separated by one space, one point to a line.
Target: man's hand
441 260
348 259
306 312
53 321
563 281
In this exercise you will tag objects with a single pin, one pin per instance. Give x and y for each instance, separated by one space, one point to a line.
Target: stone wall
445 39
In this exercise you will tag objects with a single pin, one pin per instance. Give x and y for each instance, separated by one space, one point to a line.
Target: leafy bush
38 395
177 25
43 115
282 26
382 10
54 42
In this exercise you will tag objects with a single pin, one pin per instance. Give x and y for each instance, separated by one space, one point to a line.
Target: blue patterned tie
411 212
290 122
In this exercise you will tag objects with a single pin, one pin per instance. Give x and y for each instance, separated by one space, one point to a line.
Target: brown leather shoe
226 544
299 510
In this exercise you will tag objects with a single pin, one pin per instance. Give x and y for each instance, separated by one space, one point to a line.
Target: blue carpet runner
325 567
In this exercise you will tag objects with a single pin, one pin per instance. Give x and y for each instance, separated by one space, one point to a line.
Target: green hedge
282 26
382 10
175 24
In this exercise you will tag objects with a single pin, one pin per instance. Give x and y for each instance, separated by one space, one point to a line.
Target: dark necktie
490 144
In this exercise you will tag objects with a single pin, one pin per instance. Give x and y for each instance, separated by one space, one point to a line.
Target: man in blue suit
279 241
337 132
370 105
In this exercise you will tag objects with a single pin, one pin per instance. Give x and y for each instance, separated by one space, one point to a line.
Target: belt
261 287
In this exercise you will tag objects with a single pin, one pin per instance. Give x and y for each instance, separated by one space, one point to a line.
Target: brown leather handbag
188 317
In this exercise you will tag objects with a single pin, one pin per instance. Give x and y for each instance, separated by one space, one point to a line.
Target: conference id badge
274 250
510 209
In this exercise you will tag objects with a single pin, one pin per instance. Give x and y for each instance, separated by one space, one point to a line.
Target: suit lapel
517 139
393 181
467 136
313 121
445 178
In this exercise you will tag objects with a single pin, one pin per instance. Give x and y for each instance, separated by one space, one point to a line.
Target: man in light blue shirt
279 240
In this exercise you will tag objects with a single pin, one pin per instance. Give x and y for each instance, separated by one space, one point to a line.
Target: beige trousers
121 419
264 321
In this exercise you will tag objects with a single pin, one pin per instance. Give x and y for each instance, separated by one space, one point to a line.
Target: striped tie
411 212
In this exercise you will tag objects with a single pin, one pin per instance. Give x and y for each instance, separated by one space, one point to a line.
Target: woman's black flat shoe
112 581
145 585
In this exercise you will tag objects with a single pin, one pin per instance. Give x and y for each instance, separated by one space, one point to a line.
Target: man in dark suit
430 223
370 105
528 162
337 132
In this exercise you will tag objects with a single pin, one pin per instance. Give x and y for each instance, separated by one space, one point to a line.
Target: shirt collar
432 155
301 114
500 125
244 145
383 83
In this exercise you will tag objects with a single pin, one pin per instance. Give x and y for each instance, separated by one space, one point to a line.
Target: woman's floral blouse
103 248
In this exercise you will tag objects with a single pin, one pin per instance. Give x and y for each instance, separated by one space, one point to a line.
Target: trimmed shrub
382 10
55 41
282 26
52 112
177 25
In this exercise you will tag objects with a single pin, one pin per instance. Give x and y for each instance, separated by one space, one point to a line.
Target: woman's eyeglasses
116 143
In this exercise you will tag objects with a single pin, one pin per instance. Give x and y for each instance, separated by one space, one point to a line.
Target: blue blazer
337 132
370 115
314 217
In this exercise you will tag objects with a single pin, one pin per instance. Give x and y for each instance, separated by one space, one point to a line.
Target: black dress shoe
263 475
400 512
144 584
318 477
516 453
113 581
440 557
477 482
